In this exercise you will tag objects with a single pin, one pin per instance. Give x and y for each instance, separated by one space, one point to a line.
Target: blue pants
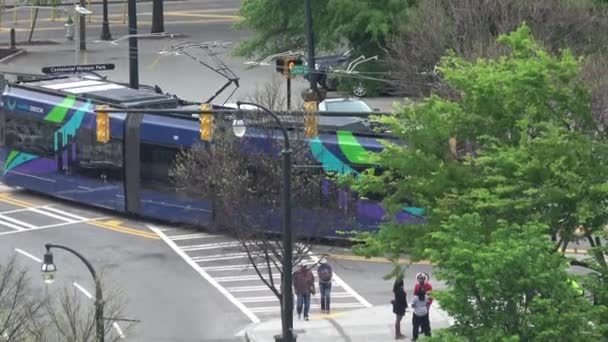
303 300
325 290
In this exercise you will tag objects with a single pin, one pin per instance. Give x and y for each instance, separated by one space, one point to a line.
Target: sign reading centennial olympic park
77 68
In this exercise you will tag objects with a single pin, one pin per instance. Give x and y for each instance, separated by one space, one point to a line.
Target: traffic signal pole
310 41
289 92
133 52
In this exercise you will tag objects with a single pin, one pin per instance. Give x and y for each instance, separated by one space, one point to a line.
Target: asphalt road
172 301
182 285
181 288
190 21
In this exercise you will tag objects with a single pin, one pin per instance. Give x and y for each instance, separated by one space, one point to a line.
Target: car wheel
359 89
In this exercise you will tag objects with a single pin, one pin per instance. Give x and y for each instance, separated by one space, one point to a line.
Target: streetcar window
29 135
156 161
98 160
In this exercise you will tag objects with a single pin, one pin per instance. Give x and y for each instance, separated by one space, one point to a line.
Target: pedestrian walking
325 273
399 306
303 286
420 318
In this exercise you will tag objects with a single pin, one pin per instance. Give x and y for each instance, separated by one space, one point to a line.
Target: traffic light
310 119
285 64
206 119
103 124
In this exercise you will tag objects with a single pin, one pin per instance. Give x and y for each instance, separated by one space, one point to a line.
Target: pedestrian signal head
285 64
102 124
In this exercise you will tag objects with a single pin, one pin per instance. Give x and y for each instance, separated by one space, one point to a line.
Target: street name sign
299 70
77 68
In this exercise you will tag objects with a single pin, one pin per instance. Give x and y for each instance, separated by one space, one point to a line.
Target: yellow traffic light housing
206 121
311 122
285 64
103 124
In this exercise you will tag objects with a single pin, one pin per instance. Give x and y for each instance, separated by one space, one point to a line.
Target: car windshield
348 106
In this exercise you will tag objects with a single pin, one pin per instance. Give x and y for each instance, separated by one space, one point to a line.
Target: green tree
360 24
507 284
518 149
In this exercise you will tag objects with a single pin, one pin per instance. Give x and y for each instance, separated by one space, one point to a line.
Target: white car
344 105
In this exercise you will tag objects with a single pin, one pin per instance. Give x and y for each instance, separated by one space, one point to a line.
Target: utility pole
133 53
105 26
310 41
288 92
82 28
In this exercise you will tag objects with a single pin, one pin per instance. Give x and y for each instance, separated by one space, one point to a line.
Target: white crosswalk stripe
223 262
37 217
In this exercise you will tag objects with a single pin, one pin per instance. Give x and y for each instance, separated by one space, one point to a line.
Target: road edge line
204 274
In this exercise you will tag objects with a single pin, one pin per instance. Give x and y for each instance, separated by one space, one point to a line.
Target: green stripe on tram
352 149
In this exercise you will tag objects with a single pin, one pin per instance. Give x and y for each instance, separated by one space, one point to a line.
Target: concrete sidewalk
370 324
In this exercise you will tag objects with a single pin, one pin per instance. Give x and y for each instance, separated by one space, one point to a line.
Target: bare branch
242 178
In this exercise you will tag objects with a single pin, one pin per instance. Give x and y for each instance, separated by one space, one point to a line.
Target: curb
11 56
349 257
99 2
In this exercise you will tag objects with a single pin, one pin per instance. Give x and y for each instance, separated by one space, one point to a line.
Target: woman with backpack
325 273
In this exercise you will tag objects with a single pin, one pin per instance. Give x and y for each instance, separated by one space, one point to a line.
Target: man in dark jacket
303 287
325 273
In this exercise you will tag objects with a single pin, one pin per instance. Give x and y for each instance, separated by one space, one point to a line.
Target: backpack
324 272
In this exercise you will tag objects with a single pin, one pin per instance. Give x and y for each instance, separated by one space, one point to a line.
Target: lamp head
48 268
238 124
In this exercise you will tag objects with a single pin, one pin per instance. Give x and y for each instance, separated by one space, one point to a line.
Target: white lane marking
273 298
28 255
54 225
249 288
90 296
345 286
64 213
118 330
18 222
267 309
74 222
244 278
246 267
190 236
45 213
83 290
209 246
204 274
10 225
257 299
19 210
217 257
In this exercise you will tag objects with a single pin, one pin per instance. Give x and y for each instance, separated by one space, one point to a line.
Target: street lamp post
49 269
105 26
286 282
79 42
